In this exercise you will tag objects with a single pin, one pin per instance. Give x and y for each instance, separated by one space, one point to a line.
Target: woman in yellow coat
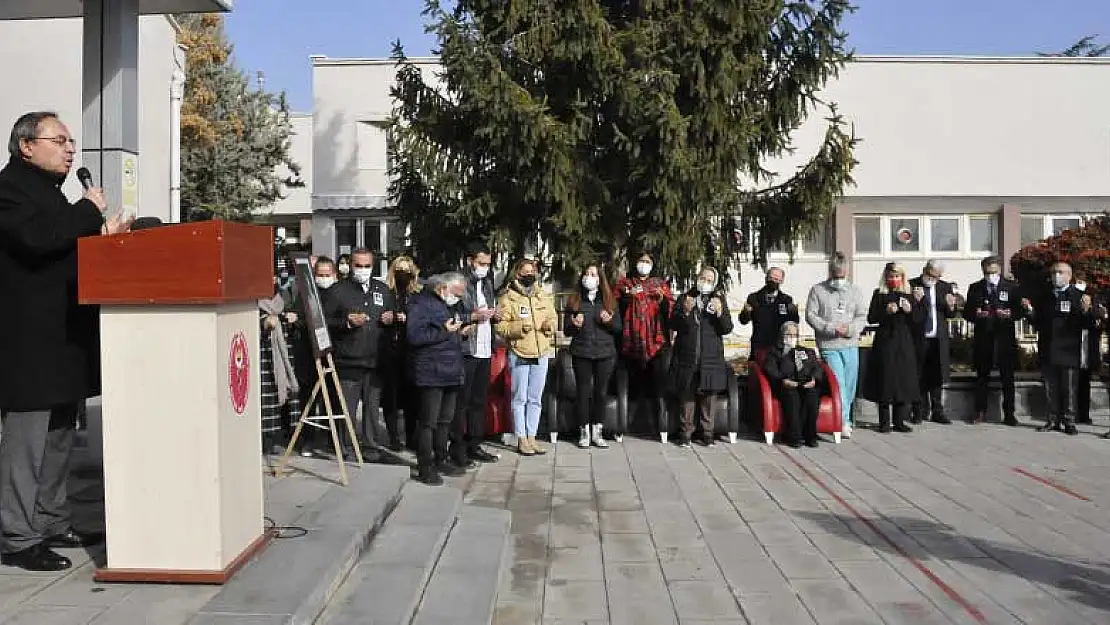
527 323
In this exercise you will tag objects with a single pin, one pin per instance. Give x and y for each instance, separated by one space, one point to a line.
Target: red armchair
830 417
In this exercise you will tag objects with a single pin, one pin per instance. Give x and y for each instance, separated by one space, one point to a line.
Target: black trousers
401 404
650 382
34 463
365 385
468 429
799 413
437 411
931 384
591 379
1061 386
985 362
1083 396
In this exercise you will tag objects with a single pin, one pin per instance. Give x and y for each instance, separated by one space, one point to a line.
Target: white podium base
182 442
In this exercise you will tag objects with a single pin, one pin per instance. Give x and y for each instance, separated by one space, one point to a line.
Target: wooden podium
179 328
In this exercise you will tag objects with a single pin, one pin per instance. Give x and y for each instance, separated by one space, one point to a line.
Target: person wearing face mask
527 323
767 309
794 372
361 310
594 325
1060 314
479 308
398 394
434 332
304 357
699 369
993 306
837 312
646 303
1091 340
891 380
933 341
343 266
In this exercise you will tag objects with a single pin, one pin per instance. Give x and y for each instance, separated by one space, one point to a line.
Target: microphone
85 176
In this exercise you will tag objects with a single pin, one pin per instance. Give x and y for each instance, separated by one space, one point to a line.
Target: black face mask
527 281
402 277
772 286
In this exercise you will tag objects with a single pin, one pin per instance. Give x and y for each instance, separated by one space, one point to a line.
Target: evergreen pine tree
234 137
606 126
1086 47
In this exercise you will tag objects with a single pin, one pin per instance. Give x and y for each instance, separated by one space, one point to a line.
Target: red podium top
205 262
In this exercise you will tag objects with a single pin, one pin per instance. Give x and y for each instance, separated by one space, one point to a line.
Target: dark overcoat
892 374
49 344
699 351
941 291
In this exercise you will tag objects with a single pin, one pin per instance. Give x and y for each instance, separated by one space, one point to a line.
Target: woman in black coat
795 372
593 322
892 377
433 333
700 319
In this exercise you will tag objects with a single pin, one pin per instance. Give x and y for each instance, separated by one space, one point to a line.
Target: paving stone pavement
950 524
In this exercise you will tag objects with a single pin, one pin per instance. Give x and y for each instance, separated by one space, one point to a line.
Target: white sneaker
598 439
583 437
846 431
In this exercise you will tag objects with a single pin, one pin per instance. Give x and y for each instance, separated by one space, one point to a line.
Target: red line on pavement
917 564
1049 483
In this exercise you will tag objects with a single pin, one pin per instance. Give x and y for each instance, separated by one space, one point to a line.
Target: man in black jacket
934 345
1060 316
49 345
767 309
993 306
358 310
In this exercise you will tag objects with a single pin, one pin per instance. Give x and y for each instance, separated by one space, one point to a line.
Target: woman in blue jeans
527 325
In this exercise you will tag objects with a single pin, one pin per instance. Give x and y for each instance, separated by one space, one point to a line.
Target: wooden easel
323 369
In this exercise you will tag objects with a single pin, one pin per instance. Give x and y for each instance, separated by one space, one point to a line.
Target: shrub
1086 249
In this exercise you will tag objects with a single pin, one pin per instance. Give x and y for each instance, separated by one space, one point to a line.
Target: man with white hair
934 343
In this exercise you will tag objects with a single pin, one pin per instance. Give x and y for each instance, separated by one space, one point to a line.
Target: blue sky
277 36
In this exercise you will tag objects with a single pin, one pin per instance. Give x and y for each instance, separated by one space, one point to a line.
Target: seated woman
698 369
794 373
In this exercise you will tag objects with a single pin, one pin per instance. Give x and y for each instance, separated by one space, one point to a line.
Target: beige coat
522 319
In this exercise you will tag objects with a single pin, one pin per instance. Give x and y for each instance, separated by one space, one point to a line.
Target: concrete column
1009 228
110 124
845 231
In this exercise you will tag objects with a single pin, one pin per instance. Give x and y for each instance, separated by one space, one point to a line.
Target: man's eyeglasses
59 141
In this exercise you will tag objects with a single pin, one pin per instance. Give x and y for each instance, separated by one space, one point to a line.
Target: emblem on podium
239 372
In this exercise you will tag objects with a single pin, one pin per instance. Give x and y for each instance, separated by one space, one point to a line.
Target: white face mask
325 282
450 299
790 342
705 288
994 278
481 271
363 275
344 268
643 268
589 283
838 283
1082 286
1059 280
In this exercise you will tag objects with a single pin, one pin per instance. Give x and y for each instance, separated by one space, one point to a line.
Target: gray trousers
34 464
367 388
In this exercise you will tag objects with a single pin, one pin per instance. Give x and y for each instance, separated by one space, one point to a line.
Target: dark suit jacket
1060 321
943 313
994 334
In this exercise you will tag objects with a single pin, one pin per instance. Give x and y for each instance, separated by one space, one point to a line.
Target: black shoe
1070 430
1106 435
72 540
795 444
396 446
903 428
482 455
884 428
37 558
1048 427
813 443
429 476
683 440
1010 421
941 419
915 419
450 469
706 440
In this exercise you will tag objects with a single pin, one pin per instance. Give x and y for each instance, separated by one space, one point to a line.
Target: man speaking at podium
49 345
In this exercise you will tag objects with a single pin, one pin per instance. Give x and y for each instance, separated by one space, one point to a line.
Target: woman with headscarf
891 380
527 323
279 398
400 408
698 368
794 373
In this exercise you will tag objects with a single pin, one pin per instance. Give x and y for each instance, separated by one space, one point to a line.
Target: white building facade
960 158
48 77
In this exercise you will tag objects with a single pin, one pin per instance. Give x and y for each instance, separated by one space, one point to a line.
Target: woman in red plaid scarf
645 304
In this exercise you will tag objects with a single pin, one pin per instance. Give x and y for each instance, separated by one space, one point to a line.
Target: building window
981 233
821 241
905 234
944 234
384 236
868 235
1032 228
346 236
1060 224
